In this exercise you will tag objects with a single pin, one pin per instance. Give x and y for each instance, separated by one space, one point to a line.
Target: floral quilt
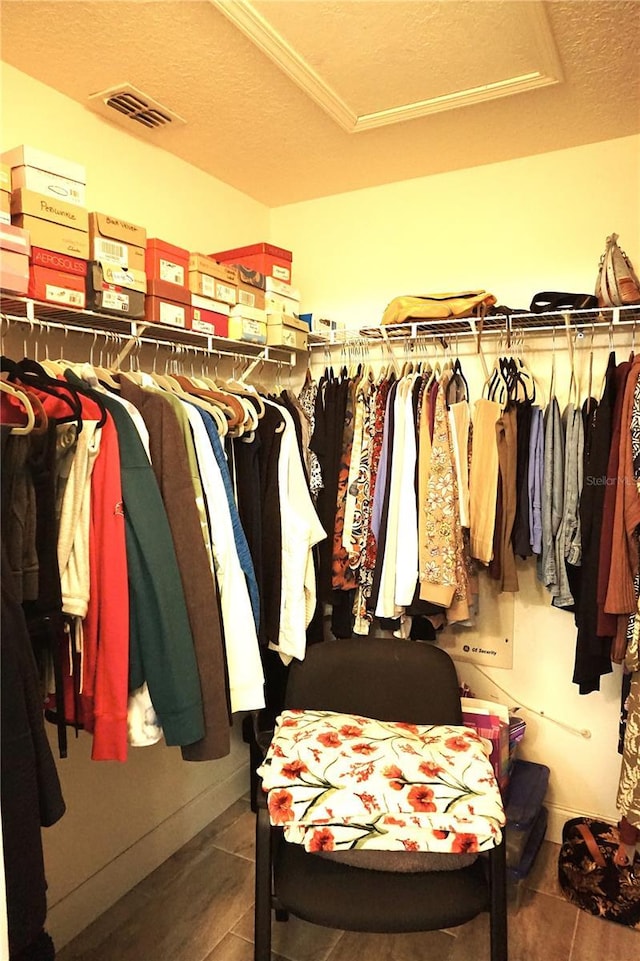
340 781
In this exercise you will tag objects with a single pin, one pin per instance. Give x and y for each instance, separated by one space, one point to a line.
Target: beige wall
123 820
128 177
516 228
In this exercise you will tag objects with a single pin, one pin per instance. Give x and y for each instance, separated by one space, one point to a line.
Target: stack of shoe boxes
116 280
168 298
214 291
282 301
48 200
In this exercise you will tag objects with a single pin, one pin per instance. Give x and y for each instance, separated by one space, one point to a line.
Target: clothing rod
515 325
133 339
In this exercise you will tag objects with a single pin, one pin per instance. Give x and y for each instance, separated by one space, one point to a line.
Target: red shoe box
57 287
167 262
56 261
207 321
169 304
266 258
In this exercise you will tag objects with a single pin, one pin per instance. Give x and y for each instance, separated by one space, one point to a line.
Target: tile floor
197 906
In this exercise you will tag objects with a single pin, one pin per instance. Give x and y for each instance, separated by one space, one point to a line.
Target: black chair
386 679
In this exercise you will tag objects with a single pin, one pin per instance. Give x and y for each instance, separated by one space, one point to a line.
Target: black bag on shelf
589 877
548 300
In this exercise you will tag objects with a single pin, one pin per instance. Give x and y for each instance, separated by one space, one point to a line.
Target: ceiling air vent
126 103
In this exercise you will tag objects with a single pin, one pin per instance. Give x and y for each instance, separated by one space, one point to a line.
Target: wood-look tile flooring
197 906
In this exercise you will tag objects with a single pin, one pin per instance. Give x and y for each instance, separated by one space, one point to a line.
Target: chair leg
498 894
262 916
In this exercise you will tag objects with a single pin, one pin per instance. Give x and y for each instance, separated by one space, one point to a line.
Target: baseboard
88 901
558 815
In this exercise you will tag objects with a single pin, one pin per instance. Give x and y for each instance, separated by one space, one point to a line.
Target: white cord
581 732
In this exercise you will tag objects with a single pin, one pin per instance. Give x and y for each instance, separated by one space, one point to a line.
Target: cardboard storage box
251 313
5 207
207 303
49 184
167 312
57 261
286 331
251 331
14 271
208 286
15 239
5 178
130 278
275 286
57 287
116 241
270 260
209 316
167 262
277 304
169 304
209 322
25 156
250 296
49 208
251 277
50 236
227 273
111 299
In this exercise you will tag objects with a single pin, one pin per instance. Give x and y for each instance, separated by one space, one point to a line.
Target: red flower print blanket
339 781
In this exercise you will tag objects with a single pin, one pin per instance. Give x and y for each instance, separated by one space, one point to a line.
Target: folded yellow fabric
436 306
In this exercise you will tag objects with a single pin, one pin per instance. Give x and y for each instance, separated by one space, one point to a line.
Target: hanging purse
437 306
617 284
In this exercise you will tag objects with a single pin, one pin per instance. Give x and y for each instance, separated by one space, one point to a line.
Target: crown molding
247 19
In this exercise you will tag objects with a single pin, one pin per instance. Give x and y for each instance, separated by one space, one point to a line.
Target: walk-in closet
319 323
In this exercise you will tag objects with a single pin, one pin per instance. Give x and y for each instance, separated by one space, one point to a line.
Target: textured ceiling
292 99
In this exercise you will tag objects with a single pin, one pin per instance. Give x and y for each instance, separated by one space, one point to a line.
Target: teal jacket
161 650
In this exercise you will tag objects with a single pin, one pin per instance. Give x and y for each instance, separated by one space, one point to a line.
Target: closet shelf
47 317
600 318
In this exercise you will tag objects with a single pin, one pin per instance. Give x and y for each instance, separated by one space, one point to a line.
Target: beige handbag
437 306
617 284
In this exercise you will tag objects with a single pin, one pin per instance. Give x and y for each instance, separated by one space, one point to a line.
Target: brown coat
170 465
621 598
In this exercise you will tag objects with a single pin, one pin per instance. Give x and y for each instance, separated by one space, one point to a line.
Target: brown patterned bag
589 877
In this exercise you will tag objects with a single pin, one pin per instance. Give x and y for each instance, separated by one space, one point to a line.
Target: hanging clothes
503 564
592 657
607 623
30 794
171 465
536 478
483 479
160 641
620 597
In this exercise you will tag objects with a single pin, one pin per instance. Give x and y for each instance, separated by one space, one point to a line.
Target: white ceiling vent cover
126 103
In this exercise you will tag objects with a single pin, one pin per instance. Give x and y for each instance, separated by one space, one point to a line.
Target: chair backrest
384 678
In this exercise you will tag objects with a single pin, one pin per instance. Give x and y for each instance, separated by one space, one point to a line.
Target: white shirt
246 677
301 529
